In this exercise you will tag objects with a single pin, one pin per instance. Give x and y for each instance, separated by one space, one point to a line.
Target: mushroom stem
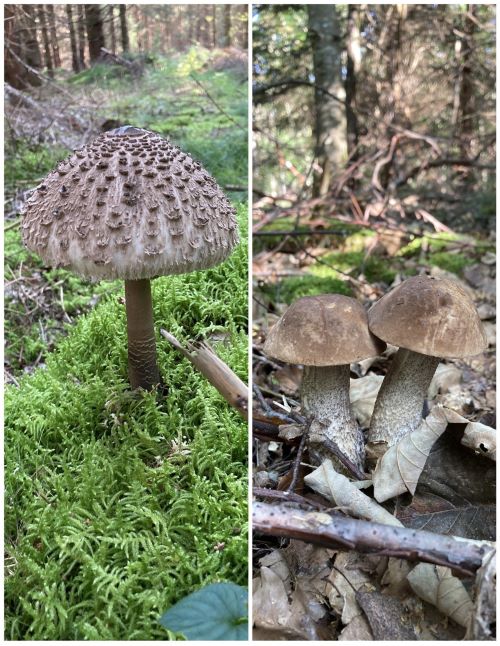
142 367
400 401
325 395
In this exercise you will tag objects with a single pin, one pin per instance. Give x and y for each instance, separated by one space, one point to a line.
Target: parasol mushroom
130 205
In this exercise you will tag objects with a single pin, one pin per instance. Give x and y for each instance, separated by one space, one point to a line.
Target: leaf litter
448 489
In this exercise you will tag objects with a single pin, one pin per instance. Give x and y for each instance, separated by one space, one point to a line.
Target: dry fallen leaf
401 465
388 618
481 439
345 581
483 619
358 630
340 490
363 393
436 585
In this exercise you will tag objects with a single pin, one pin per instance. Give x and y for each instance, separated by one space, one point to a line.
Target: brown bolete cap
432 316
326 330
129 205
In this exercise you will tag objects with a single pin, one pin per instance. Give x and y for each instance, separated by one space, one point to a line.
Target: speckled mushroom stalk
142 365
428 318
399 405
325 394
130 205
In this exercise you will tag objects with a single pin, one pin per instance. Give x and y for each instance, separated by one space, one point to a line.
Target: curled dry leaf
483 619
436 585
363 393
400 467
481 439
340 490
286 609
446 376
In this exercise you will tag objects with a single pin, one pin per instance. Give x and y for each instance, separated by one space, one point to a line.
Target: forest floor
119 505
318 592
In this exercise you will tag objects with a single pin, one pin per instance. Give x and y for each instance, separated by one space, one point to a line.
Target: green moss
99 73
25 162
454 262
115 501
434 242
290 289
374 268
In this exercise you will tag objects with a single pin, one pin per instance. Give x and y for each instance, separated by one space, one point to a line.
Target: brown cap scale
428 318
326 333
130 205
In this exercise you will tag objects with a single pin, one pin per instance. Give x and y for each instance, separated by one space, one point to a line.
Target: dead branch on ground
461 555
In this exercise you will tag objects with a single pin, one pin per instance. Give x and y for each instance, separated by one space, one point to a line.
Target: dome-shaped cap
129 205
327 330
431 316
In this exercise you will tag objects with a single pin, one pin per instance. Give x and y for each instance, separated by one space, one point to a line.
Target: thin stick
461 555
276 494
298 459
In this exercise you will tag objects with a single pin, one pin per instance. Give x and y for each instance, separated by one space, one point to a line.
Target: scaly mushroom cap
129 205
327 330
432 316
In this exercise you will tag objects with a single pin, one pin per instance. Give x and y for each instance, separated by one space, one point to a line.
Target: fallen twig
461 555
290 496
219 374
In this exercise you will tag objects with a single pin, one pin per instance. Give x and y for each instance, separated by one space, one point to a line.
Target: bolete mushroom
326 333
428 319
130 205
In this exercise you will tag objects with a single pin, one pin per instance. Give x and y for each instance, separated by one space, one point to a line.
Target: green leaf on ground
217 612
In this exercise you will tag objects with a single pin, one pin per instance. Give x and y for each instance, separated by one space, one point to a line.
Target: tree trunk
75 63
112 33
329 95
95 32
214 26
466 124
352 69
81 36
15 72
28 38
147 34
45 40
53 35
225 33
244 23
124 28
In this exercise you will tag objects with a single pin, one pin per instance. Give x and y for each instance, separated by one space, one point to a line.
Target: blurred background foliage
374 144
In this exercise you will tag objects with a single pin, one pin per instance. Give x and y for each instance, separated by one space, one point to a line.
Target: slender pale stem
325 396
400 401
142 367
